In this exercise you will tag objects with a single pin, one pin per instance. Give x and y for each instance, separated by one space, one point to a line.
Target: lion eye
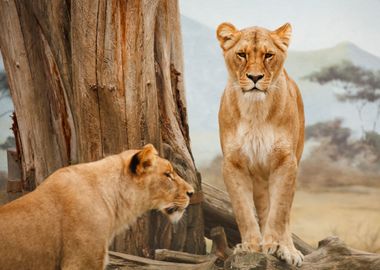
169 175
268 55
242 54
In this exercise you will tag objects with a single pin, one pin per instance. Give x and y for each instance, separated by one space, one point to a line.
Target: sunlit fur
262 135
69 221
256 43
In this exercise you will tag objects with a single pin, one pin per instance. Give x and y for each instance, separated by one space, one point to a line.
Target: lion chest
255 142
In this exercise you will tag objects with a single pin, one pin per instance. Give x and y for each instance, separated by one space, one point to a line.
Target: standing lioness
70 219
261 123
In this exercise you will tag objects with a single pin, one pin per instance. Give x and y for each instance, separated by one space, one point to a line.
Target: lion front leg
96 262
277 239
88 254
239 186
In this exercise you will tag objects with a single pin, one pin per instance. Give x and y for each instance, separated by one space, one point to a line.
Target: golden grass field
352 213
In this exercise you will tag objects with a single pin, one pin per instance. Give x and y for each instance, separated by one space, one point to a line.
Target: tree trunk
93 78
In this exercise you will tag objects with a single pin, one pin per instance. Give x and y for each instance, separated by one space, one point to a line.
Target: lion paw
247 247
286 252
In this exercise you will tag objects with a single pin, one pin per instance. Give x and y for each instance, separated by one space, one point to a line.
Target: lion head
168 192
254 56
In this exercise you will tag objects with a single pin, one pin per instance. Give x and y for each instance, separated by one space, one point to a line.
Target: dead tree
93 78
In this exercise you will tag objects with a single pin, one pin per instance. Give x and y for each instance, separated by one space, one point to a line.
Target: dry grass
321 171
367 238
352 214
371 240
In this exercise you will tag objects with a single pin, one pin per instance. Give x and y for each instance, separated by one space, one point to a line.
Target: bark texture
121 261
93 78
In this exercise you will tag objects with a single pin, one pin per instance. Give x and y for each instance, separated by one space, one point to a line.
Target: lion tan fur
69 221
261 122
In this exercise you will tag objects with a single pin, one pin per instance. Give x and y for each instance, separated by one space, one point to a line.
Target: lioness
70 219
261 122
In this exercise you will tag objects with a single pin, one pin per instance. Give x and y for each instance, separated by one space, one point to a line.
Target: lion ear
227 35
144 160
282 36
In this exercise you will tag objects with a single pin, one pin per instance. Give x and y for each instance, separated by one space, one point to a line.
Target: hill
301 63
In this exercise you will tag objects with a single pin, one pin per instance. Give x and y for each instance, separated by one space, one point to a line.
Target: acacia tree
361 86
93 78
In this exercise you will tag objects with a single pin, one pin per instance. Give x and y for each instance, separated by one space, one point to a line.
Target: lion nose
255 78
190 193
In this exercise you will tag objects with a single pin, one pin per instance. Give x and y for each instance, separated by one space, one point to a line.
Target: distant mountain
301 63
205 73
205 79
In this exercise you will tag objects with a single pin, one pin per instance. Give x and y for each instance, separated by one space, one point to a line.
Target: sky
316 23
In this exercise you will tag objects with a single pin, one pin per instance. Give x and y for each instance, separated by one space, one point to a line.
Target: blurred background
334 57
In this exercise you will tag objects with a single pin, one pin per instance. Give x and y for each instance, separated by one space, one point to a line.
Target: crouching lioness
261 123
70 219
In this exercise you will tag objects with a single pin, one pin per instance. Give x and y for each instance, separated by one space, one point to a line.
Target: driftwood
170 259
182 257
121 261
219 243
218 212
332 253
